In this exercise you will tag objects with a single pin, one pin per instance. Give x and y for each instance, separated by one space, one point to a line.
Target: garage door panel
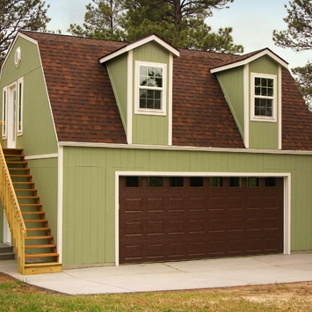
176 223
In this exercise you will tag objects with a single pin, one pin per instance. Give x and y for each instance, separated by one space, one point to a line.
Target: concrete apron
211 273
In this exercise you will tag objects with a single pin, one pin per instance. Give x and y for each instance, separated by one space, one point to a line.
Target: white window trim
4 112
254 117
146 111
19 113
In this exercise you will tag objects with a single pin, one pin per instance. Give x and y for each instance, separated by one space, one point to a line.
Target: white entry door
12 116
6 231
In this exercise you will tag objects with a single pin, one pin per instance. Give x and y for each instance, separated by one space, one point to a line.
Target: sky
253 22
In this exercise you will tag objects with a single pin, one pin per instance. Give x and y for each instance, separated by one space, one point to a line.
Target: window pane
263 107
196 182
176 181
216 182
155 182
253 182
133 181
269 182
235 182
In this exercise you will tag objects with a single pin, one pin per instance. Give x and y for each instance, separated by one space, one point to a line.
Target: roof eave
249 60
139 43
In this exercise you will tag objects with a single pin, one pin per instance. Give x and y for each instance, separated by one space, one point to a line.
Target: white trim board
139 43
184 148
287 196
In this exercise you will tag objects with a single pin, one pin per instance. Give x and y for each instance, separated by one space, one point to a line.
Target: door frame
11 118
286 208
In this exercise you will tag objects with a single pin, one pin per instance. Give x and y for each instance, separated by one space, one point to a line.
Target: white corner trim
170 96
279 111
139 43
129 96
246 105
116 218
287 196
60 203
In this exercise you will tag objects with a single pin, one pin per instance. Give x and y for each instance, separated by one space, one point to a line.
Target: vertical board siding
38 131
117 70
44 172
89 191
264 135
232 84
144 125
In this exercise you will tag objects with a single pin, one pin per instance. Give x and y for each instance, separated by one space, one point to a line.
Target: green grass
18 296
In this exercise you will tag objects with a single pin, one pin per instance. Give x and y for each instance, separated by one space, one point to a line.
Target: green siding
232 84
44 172
117 70
149 129
38 131
264 135
89 191
264 65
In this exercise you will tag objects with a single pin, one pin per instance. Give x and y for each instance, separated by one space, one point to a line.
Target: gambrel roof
85 110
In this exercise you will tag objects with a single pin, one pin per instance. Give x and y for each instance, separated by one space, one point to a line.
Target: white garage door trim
287 195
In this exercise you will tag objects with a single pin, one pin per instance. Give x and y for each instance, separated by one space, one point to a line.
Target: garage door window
176 182
215 182
253 182
133 182
270 182
196 182
155 182
235 182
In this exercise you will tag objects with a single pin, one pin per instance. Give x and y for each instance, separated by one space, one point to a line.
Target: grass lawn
19 296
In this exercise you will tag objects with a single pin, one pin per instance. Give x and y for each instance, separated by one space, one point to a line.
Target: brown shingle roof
81 96
85 110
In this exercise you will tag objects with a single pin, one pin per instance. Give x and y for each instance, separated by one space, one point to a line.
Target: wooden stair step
30 205
42 255
16 162
36 221
38 229
38 237
40 268
40 246
21 176
33 213
28 197
25 190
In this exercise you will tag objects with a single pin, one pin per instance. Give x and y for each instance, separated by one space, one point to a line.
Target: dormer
252 87
141 77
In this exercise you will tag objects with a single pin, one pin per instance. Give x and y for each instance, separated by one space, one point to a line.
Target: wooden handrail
13 212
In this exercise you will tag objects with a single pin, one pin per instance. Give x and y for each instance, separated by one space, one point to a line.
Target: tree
298 37
303 77
101 21
20 14
180 22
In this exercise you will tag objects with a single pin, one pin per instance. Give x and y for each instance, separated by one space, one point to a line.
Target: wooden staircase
40 250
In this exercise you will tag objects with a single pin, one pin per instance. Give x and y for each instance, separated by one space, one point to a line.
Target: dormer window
150 88
263 97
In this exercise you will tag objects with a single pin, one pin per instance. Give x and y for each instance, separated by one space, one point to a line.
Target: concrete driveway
167 276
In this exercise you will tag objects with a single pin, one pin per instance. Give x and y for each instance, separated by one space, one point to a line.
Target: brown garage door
173 218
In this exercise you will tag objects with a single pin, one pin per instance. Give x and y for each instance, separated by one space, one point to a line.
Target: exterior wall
44 172
232 84
89 191
38 131
38 139
150 129
264 135
117 70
